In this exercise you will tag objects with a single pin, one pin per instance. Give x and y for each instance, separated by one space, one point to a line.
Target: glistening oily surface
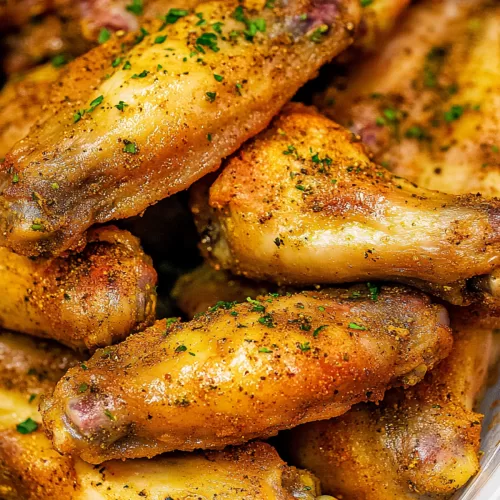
245 371
32 470
303 204
182 96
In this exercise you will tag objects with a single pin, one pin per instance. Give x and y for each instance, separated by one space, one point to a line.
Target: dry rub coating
86 299
303 204
245 371
32 470
423 441
145 115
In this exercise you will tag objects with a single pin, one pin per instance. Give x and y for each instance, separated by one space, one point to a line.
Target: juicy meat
303 204
85 299
245 371
422 441
32 470
145 115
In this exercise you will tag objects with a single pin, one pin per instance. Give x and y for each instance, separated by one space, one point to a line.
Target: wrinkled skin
245 371
423 441
303 204
86 299
32 470
443 54
112 164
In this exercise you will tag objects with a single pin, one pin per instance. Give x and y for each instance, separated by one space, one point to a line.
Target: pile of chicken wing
250 249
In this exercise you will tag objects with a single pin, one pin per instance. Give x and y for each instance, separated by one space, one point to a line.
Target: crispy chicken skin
423 441
32 470
303 199
189 100
245 371
86 299
427 104
21 103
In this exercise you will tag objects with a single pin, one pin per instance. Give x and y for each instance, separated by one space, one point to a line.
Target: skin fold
86 299
423 441
178 119
427 103
32 470
245 371
303 199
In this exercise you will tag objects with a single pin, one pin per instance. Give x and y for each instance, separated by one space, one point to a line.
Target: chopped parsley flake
211 96
84 367
142 74
83 387
219 78
15 178
222 305
374 291
27 427
104 35
264 349
59 60
217 27
257 306
318 33
121 105
454 113
109 415
174 15
181 348
416 132
136 7
355 326
127 65
365 3
160 39
318 330
130 147
116 62
37 227
267 320
305 347
208 40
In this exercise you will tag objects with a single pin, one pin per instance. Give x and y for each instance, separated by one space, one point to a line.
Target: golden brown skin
203 287
377 21
32 470
21 103
427 103
179 122
423 441
245 371
303 204
87 299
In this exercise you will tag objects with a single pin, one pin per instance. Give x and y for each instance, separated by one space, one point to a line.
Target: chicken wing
303 204
245 371
423 441
143 116
32 470
87 299
427 104
21 102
